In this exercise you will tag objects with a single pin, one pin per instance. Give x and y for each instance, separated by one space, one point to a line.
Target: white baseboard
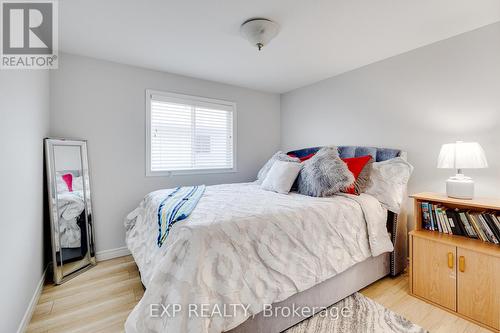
112 253
32 304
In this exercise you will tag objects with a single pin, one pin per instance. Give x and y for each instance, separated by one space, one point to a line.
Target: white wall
104 103
24 115
416 101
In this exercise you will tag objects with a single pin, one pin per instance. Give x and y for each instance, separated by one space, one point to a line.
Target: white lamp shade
462 155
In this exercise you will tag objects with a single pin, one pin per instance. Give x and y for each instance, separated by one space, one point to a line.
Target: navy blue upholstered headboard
378 154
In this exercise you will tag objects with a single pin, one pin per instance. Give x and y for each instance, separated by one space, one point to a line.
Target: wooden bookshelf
456 273
476 205
480 204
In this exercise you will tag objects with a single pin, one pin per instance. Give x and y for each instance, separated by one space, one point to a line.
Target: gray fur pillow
324 174
363 180
279 156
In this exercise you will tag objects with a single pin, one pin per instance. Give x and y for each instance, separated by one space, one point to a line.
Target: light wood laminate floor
100 300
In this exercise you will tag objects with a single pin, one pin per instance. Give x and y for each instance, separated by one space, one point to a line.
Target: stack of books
481 225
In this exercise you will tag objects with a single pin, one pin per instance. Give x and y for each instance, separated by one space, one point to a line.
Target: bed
243 245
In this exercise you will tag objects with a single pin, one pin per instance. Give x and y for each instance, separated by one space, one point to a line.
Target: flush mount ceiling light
259 31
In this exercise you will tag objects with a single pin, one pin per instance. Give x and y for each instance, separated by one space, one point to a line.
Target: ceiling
318 38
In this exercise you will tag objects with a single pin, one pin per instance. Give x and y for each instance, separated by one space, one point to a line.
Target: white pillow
61 186
77 184
388 182
281 176
278 156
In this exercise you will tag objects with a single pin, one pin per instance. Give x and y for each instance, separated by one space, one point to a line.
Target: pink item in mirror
68 179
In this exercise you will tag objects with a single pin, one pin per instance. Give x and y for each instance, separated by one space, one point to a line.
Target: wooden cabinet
434 272
456 273
478 287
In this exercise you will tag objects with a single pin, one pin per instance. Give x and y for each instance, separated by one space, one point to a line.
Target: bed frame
355 278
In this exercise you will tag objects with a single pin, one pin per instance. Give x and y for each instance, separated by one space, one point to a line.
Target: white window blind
190 133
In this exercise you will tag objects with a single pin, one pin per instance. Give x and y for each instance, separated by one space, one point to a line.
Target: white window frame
194 100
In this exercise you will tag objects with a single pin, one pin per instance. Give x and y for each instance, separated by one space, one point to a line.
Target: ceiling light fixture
259 31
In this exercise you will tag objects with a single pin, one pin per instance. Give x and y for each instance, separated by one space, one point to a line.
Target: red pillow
360 168
68 179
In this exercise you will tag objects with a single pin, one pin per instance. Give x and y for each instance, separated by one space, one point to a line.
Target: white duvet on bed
244 245
70 206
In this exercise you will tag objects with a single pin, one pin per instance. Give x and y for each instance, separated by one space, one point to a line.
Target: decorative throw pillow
279 156
68 179
388 182
281 176
361 168
324 174
302 159
78 183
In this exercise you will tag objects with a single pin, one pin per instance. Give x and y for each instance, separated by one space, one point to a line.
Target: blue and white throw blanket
176 207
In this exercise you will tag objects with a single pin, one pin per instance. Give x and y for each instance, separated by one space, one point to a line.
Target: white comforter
70 207
244 245
70 204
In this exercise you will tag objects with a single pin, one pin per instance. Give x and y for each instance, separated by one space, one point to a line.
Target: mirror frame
58 271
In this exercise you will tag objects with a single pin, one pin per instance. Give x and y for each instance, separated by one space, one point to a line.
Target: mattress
243 245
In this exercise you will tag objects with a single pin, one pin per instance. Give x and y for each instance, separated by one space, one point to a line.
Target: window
187 134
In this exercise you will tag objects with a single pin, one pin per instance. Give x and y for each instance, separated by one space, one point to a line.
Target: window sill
150 173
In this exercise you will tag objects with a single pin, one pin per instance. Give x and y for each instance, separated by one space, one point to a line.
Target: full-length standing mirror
71 220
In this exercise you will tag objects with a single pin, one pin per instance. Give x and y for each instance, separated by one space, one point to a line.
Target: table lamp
461 155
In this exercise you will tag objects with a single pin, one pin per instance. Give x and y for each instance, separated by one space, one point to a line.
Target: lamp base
460 187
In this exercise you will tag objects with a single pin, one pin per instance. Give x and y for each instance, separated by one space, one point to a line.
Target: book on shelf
463 225
432 215
442 227
472 224
487 230
491 224
469 230
426 216
436 216
444 221
452 221
496 220
476 226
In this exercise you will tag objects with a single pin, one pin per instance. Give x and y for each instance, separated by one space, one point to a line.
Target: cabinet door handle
461 263
450 259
